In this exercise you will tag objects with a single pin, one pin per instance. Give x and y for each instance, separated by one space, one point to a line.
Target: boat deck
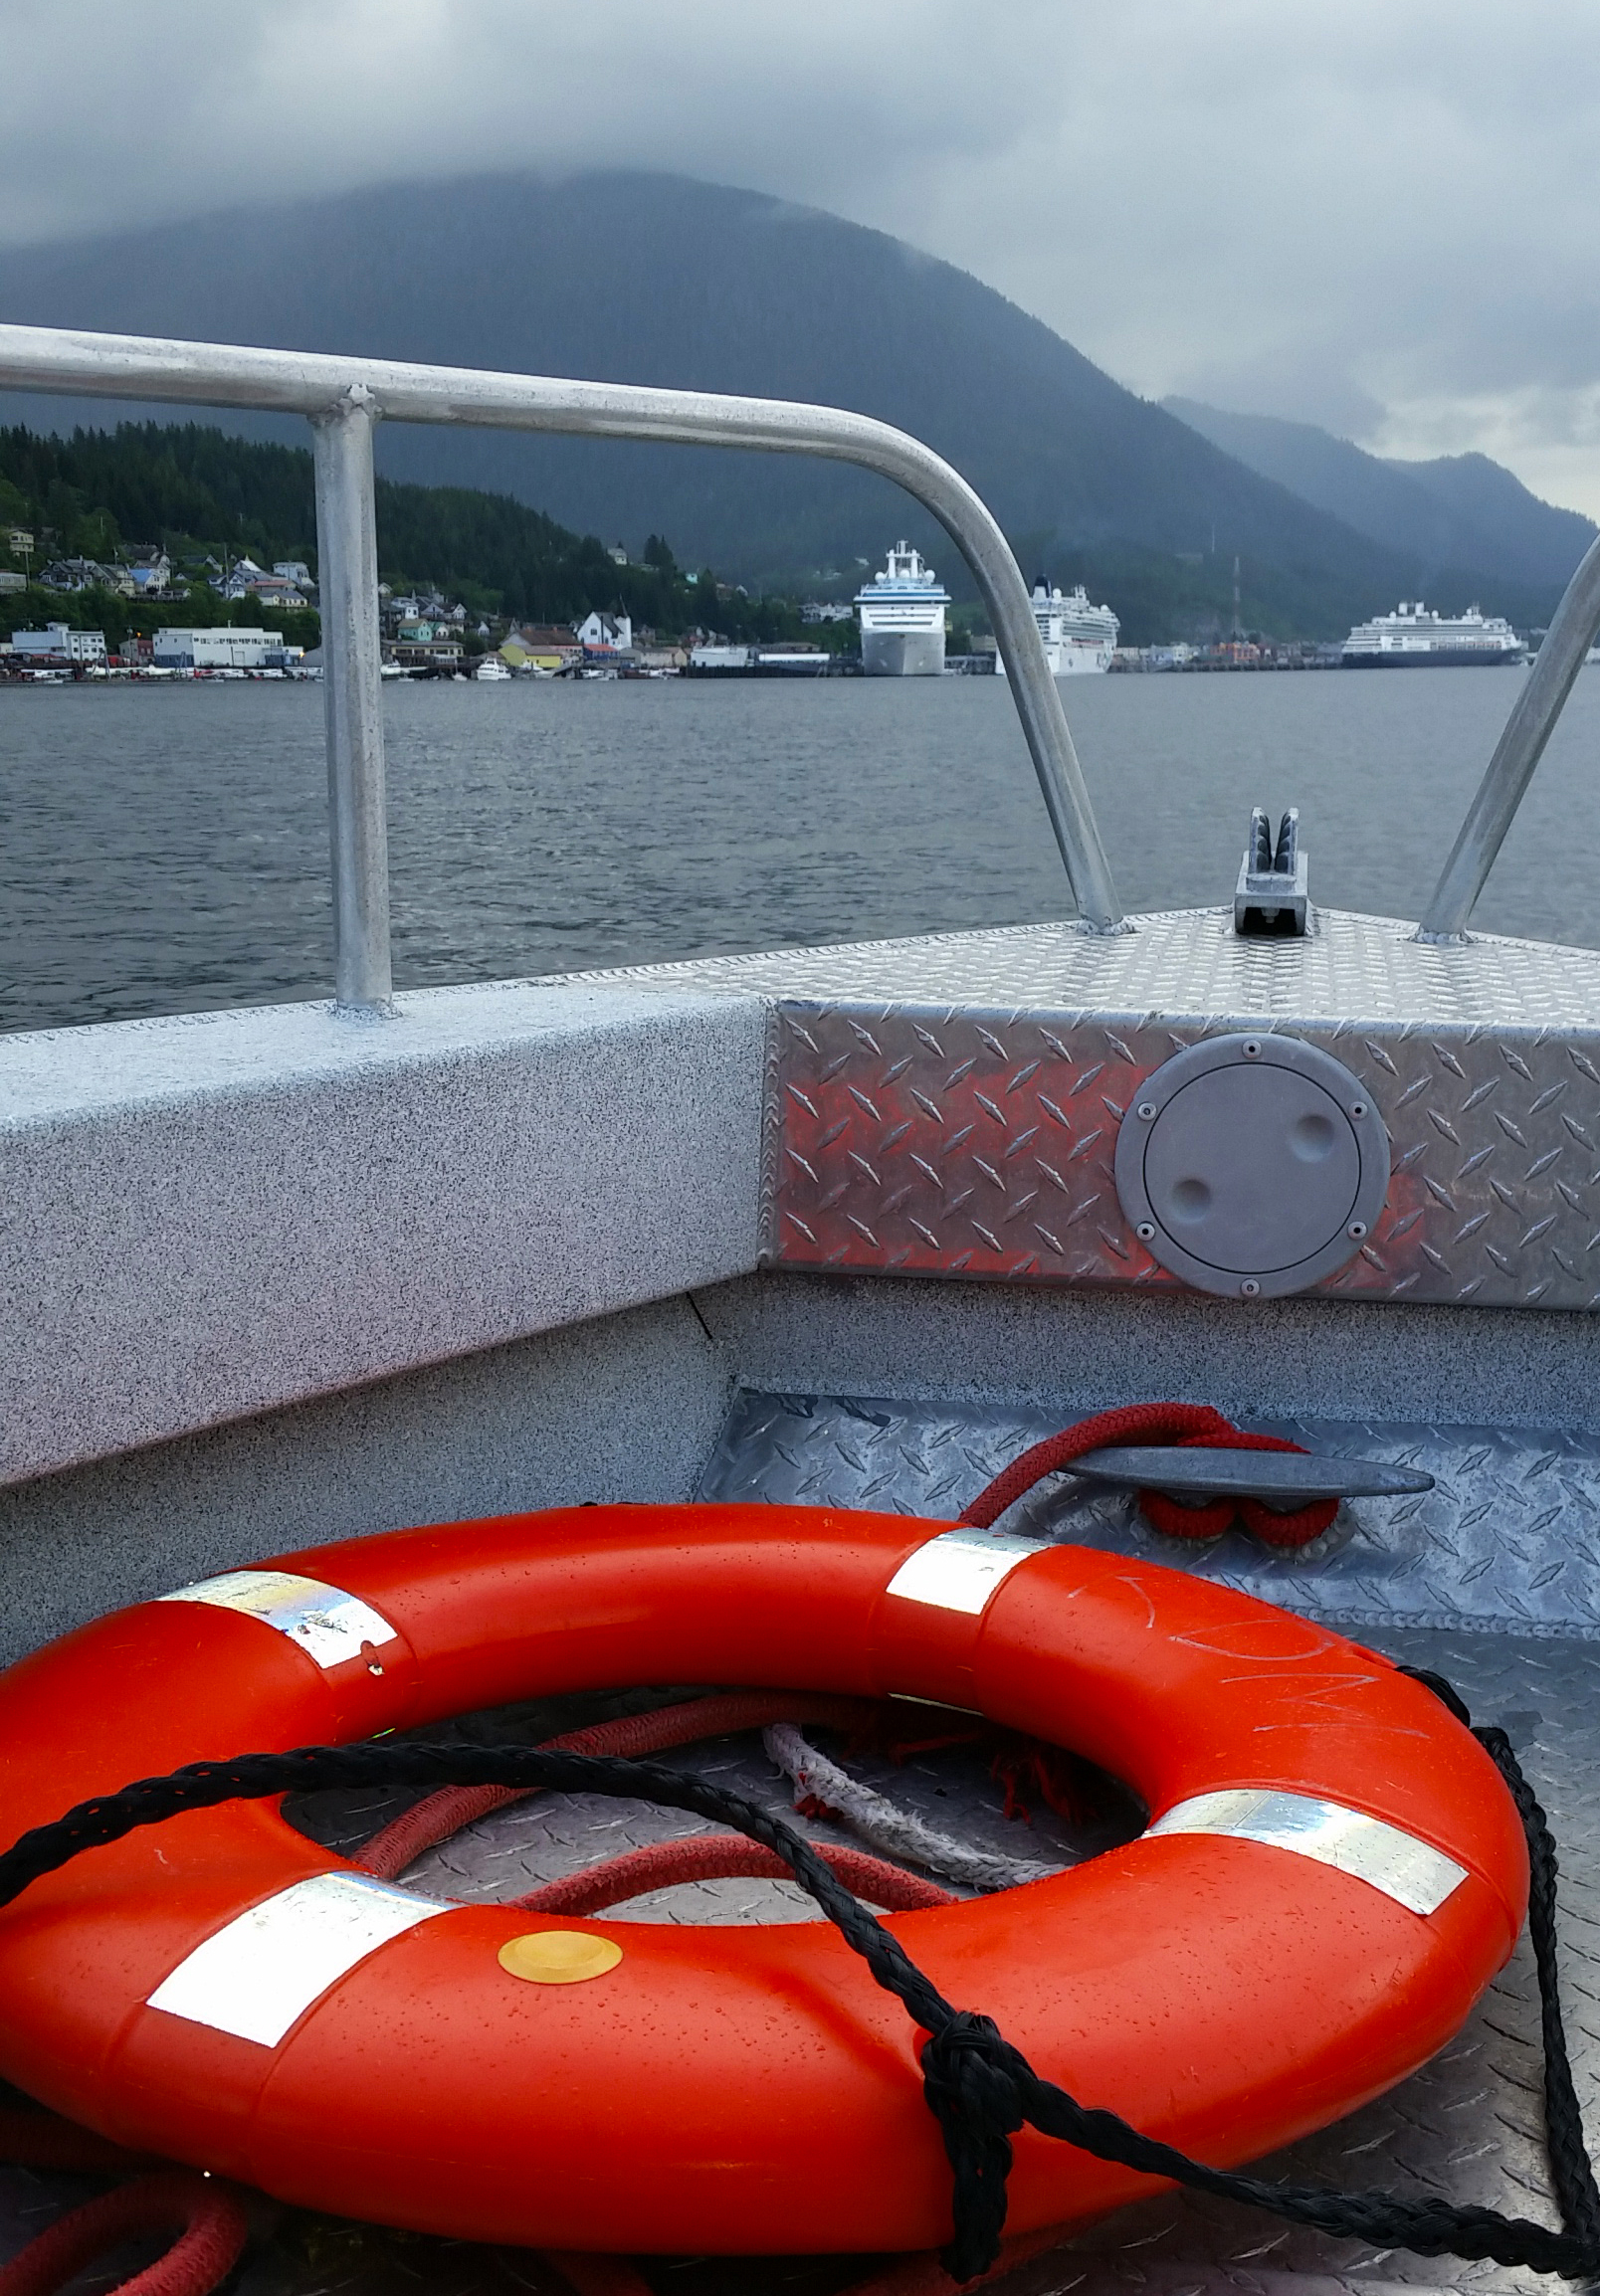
1472 1580
623 1346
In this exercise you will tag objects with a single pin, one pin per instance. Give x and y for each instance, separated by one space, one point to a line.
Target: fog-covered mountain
1462 512
660 280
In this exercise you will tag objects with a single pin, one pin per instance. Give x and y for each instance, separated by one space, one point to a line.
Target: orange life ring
1333 1874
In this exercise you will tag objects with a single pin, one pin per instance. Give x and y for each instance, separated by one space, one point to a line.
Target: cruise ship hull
1069 661
903 653
1445 658
1072 661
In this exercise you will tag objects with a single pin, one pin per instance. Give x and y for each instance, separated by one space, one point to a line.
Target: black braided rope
980 2088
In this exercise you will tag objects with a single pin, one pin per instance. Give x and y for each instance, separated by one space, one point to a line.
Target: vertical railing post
1520 747
1049 740
352 694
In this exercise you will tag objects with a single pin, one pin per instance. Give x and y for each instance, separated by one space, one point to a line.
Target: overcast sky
1380 215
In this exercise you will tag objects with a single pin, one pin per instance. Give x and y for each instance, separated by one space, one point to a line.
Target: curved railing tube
342 397
1517 753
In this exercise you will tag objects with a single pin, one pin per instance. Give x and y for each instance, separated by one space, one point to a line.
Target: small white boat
490 672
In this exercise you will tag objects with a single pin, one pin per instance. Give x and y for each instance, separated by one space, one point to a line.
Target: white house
605 633
83 574
293 570
274 590
61 644
150 576
247 579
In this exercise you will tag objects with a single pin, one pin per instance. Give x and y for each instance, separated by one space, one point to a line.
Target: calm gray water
163 848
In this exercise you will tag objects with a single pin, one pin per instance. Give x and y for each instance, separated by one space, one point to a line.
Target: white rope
882 1823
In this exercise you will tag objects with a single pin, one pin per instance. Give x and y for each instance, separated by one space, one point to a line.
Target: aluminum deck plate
1185 965
949 1106
1507 1540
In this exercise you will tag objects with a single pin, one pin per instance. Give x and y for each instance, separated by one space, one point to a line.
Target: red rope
1193 1424
719 1856
204 2213
438 1816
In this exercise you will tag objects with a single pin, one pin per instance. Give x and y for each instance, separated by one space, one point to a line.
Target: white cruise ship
1414 637
902 613
1079 638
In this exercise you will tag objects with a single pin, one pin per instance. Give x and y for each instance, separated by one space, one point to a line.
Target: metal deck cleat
1271 898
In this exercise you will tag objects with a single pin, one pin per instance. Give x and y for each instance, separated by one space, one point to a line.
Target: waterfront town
260 622
434 644
426 634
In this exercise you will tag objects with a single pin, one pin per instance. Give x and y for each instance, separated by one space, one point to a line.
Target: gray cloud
1378 217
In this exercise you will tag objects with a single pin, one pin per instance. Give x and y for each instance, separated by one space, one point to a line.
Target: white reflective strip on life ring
330 1626
265 1970
1410 1871
959 1570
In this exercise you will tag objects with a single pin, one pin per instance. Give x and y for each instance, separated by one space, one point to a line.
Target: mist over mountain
1520 533
656 279
1462 512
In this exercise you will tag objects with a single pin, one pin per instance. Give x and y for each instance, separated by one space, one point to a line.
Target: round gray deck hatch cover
1253 1165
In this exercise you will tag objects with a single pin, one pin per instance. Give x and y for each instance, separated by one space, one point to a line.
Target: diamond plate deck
1184 965
1507 1541
1492 1577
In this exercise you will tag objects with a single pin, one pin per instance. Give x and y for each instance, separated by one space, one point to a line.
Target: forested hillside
197 493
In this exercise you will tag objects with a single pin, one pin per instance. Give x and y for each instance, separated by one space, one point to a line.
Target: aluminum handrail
343 397
1517 753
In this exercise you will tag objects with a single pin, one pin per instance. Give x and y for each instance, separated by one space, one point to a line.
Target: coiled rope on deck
898 1833
980 2088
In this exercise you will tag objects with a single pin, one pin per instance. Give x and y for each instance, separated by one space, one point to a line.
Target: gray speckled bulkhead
214 1215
